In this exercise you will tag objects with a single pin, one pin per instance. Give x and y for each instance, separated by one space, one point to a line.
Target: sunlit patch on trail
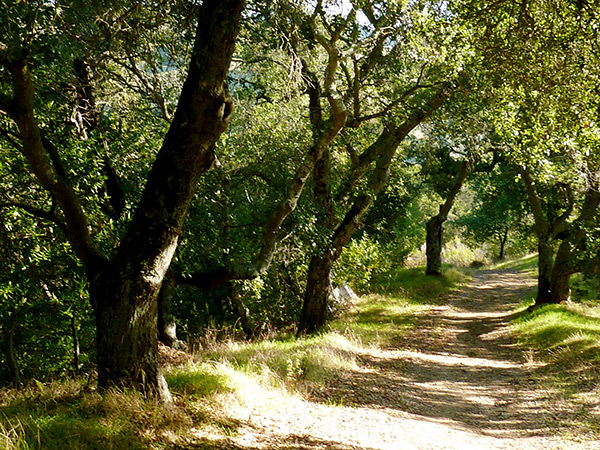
448 359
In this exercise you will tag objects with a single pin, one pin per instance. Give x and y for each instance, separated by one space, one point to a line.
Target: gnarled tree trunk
126 289
567 262
381 152
546 231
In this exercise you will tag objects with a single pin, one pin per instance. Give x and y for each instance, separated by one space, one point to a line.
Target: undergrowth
221 385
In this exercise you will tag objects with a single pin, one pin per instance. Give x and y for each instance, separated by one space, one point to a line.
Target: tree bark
545 265
434 241
564 267
433 246
125 291
317 293
9 352
318 287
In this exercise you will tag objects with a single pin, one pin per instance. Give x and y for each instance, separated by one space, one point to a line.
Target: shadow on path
459 365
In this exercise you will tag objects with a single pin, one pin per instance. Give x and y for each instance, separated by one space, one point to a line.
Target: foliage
497 214
524 82
359 262
585 288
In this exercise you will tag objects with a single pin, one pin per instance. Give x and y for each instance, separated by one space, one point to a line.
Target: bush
360 260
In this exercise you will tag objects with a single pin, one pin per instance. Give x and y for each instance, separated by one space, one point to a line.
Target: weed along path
456 380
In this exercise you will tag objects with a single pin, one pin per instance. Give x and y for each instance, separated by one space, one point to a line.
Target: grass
65 415
412 285
527 263
222 385
564 341
565 333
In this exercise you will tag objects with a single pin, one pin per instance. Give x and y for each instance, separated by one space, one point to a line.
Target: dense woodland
173 167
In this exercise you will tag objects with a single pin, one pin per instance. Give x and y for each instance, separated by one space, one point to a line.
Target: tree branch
37 212
385 139
78 229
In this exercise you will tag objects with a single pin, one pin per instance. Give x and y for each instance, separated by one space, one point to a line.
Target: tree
453 146
341 202
124 285
544 88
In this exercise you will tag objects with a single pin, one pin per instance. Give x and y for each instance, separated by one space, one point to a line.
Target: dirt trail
456 381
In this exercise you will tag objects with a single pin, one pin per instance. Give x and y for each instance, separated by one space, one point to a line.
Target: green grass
528 263
413 286
563 341
65 415
571 328
221 381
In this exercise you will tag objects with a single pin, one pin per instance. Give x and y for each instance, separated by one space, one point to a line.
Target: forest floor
456 380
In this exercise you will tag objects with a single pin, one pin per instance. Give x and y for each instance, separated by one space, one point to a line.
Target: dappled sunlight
447 359
454 380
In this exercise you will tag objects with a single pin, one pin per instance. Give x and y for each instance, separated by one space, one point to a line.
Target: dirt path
456 381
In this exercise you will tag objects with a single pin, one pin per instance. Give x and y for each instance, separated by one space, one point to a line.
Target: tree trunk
545 264
125 290
561 288
317 293
503 240
546 231
318 286
127 332
433 242
565 265
433 246
9 352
